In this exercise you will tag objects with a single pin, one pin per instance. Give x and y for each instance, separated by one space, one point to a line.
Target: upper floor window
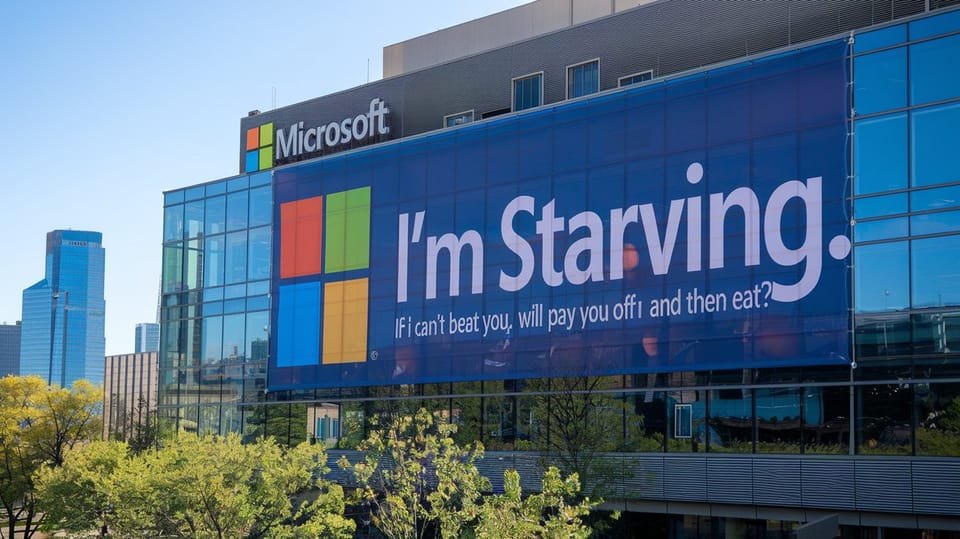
583 79
636 78
528 91
453 120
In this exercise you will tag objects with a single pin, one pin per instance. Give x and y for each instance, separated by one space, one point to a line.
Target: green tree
583 421
417 480
38 425
556 511
203 487
415 477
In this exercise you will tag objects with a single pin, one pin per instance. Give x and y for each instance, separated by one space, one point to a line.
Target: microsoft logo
324 272
259 148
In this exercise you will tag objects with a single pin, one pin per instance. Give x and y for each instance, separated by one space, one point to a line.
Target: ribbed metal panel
883 485
936 487
667 37
828 484
776 482
684 479
730 480
643 477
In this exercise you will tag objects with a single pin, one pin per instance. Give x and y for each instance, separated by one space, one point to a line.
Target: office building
719 232
147 338
62 333
129 395
10 349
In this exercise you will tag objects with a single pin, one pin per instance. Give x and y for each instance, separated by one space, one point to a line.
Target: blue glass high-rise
63 325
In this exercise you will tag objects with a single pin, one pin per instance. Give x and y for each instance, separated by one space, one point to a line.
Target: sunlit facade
860 419
62 333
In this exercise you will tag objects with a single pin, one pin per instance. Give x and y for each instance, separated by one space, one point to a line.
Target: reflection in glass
215 222
881 277
259 260
235 258
883 419
237 210
933 135
213 260
935 223
935 283
930 77
173 267
261 209
173 223
194 218
880 154
880 206
881 81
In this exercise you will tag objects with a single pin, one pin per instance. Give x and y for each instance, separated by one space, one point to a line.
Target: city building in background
708 243
129 395
62 328
147 338
10 349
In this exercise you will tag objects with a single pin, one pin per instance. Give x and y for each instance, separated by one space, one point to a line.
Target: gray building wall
667 37
10 349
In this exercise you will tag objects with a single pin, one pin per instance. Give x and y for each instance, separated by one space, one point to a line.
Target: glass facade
62 336
214 307
147 338
903 397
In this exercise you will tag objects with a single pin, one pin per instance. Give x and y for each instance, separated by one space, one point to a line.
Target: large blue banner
699 223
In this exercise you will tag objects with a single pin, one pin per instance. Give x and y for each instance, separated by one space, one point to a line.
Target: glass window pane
194 193
877 206
235 291
932 26
258 288
261 178
259 259
883 419
192 262
880 38
194 218
173 267
234 345
934 132
212 339
881 274
526 92
173 223
211 294
213 255
258 331
935 199
880 154
883 229
583 79
174 197
235 261
935 223
237 210
939 430
261 207
236 184
935 283
218 188
935 70
880 81
216 216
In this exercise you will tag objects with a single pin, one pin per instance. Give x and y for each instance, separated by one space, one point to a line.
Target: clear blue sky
106 104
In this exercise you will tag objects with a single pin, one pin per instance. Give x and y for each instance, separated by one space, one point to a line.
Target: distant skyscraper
9 349
62 329
147 338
